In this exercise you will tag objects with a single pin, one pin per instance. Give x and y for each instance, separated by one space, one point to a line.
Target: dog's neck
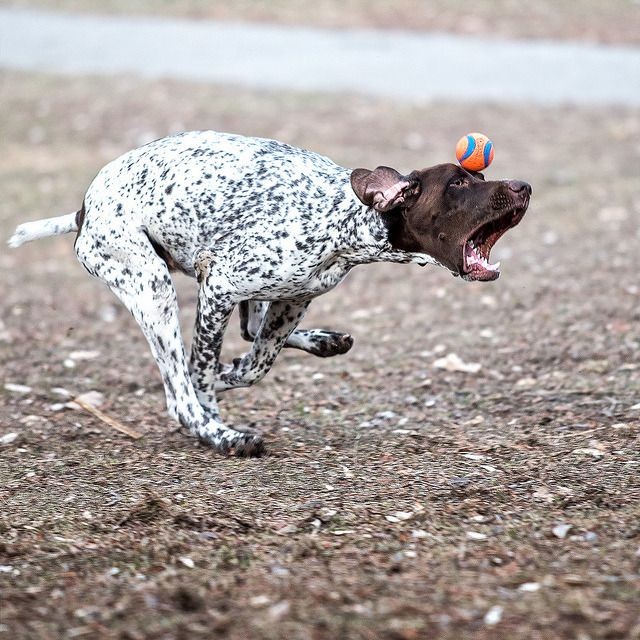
366 235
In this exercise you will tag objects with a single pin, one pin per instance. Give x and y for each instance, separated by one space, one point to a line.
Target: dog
268 227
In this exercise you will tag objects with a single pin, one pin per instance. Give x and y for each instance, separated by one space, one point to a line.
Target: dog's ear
384 188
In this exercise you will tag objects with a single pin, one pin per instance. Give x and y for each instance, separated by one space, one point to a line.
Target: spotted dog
268 227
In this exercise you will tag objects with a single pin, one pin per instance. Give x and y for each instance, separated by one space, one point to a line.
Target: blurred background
394 470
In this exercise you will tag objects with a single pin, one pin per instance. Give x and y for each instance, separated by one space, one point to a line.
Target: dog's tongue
473 257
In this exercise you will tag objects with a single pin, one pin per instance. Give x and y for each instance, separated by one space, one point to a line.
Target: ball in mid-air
474 152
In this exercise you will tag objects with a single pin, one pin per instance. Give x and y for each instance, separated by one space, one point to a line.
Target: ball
474 152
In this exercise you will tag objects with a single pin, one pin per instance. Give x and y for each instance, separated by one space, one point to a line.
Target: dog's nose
517 186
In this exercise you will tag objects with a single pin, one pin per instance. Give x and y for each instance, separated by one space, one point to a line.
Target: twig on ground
118 426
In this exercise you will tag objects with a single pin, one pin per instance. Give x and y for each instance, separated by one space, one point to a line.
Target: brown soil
398 500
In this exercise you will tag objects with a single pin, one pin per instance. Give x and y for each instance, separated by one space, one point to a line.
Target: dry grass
613 21
160 538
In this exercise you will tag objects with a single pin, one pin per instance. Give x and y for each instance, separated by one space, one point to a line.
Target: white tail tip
43 228
19 237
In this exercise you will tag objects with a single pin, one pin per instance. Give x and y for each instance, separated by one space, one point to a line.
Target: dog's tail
42 228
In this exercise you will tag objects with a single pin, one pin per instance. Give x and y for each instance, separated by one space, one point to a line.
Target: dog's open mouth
477 247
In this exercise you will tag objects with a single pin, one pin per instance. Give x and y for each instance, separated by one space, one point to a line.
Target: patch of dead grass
109 537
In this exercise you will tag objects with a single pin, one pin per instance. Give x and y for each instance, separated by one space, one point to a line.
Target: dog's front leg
215 305
279 321
212 316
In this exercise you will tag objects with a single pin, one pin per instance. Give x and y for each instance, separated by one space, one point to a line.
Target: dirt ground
610 21
398 500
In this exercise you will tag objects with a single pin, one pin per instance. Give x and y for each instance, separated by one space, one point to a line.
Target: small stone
187 562
279 610
561 530
84 355
108 313
287 529
17 388
60 391
260 601
8 438
529 587
612 214
494 615
5 336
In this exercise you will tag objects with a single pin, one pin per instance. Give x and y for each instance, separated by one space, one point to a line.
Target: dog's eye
458 182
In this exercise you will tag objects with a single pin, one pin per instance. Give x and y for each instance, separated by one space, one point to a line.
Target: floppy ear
384 188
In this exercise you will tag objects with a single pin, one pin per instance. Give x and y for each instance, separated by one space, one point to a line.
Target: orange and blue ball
474 152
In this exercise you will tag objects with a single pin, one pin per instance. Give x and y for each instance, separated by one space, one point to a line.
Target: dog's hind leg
315 341
140 278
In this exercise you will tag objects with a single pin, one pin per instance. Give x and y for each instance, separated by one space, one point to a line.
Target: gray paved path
393 64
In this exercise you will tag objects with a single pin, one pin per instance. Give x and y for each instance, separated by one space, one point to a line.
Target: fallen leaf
476 535
403 515
588 451
92 398
453 362
473 456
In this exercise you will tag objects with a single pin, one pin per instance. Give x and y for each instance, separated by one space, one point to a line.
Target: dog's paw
230 442
249 446
330 344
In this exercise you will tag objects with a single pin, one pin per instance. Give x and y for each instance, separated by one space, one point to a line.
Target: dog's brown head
446 212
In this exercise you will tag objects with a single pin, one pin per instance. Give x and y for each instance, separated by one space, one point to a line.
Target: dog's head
446 212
